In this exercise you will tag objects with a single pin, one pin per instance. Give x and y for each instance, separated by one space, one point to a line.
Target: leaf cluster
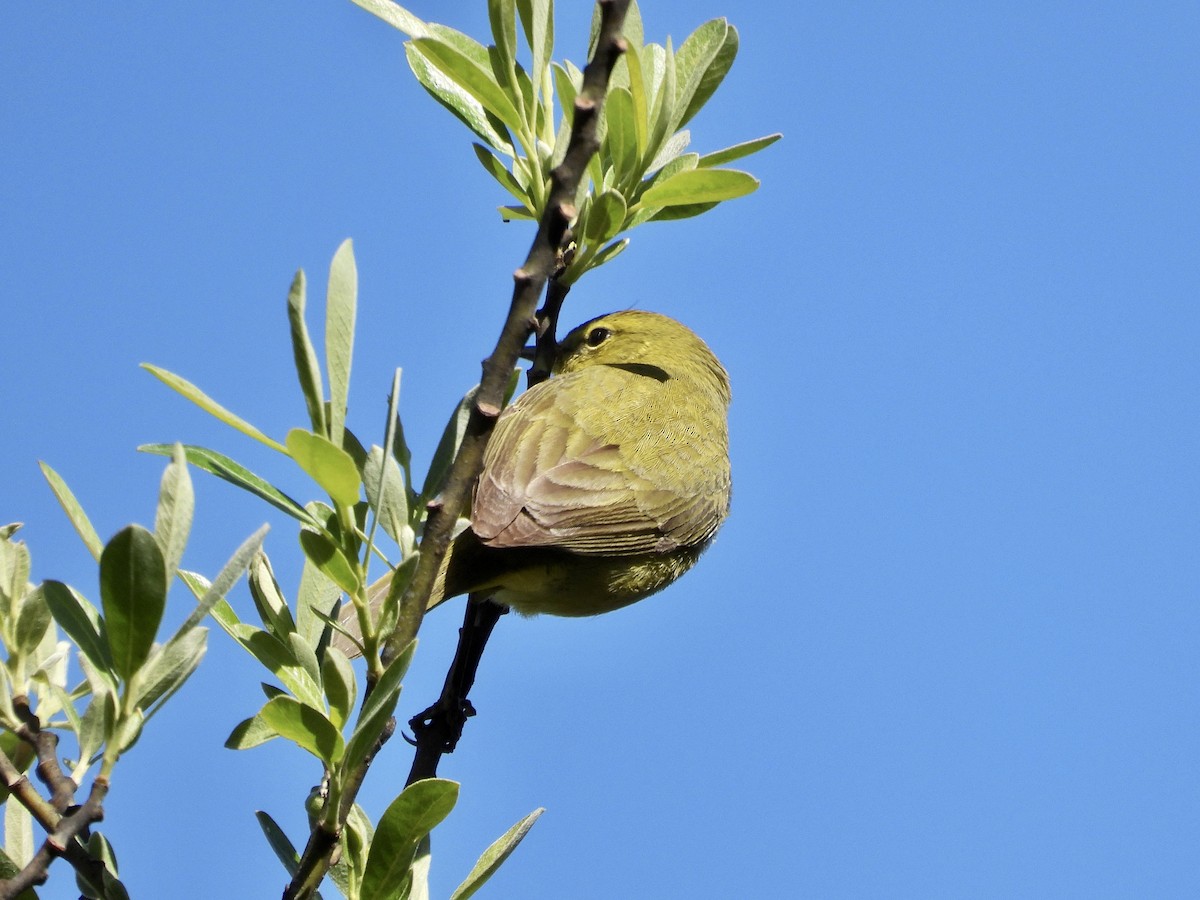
522 113
128 674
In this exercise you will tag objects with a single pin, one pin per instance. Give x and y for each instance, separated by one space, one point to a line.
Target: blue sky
947 644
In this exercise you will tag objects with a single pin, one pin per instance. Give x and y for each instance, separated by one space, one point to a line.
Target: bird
602 484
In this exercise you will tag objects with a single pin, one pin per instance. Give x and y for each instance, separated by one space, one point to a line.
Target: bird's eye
597 336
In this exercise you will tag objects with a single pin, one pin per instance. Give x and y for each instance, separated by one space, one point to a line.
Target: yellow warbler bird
602 484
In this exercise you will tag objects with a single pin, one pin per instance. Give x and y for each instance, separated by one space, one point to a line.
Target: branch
528 283
529 280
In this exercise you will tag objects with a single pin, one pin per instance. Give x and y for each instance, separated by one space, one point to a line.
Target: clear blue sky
947 645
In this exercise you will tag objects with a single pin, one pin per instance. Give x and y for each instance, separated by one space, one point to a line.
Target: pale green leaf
186 389
737 151
79 520
698 186
341 303
494 857
283 848
223 467
176 503
328 557
478 82
341 687
308 369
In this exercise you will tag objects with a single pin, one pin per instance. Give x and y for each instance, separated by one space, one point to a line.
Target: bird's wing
554 475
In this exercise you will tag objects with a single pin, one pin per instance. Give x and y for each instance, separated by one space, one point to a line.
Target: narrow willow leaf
478 82
502 16
272 609
278 659
494 856
14 570
248 733
377 709
327 464
341 303
128 730
304 726
622 132
305 657
410 817
33 620
713 74
176 503
465 107
395 15
737 151
215 592
669 151
168 667
537 18
308 370
640 98
133 594
662 116
499 171
317 595
235 473
186 389
683 211
699 186
282 847
387 493
516 214
327 557
79 520
341 687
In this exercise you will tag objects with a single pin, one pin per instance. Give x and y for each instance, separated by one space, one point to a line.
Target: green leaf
305 726
268 600
223 467
283 848
516 214
79 520
18 833
327 464
606 218
212 407
168 667
537 19
494 167
411 816
377 709
176 503
465 107
737 151
308 370
478 82
133 593
128 730
669 151
93 727
502 15
215 591
494 857
387 494
706 65
14 570
699 186
277 657
395 15
341 687
341 302
248 733
317 594
621 136
326 556
32 621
